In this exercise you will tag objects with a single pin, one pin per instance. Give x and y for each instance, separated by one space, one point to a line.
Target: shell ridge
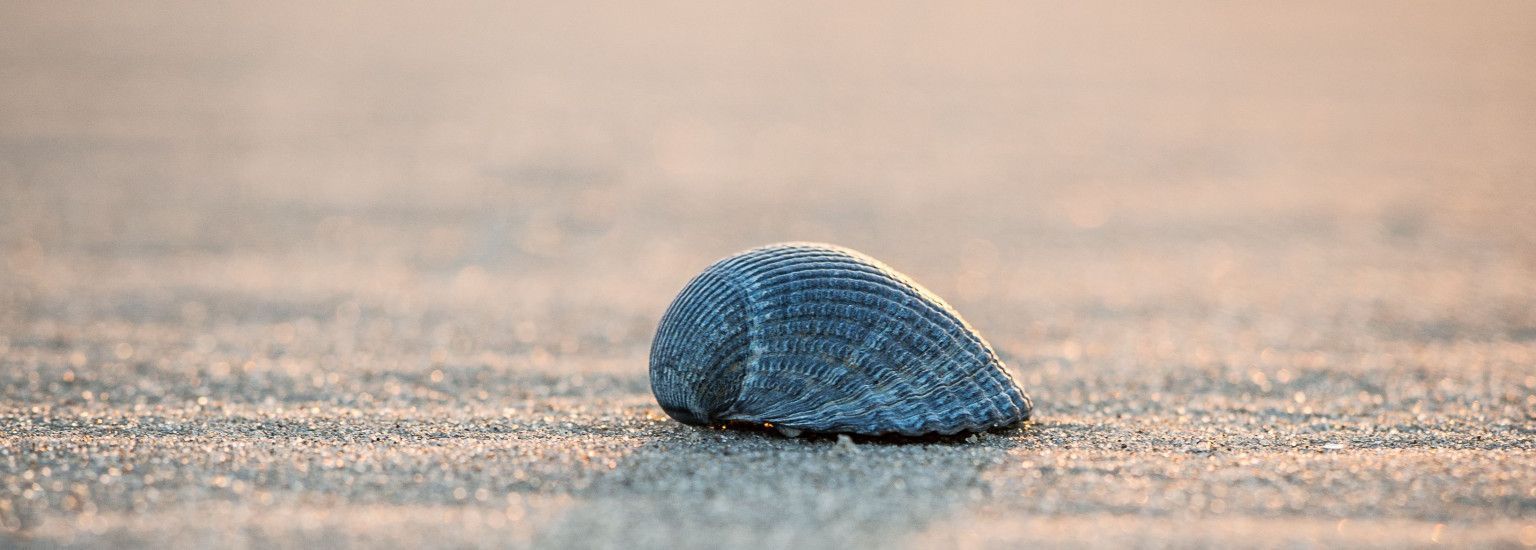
900 391
758 326
932 324
776 397
831 351
834 270
702 298
927 324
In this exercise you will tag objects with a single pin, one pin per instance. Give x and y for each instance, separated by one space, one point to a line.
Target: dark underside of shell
818 338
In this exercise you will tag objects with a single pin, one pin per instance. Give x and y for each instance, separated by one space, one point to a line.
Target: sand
386 276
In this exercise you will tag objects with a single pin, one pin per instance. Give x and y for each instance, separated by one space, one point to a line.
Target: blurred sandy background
1211 238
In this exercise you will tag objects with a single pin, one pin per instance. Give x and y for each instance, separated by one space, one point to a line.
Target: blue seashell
820 338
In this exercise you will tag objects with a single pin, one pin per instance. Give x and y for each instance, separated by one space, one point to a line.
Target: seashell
819 338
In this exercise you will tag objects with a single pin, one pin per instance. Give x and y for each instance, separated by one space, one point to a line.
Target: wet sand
385 276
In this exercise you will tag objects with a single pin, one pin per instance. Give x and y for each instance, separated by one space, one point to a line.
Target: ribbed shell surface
821 338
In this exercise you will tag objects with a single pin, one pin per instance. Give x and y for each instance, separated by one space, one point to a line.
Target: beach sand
378 275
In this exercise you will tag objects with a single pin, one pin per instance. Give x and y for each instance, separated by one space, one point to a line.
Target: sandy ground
372 275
